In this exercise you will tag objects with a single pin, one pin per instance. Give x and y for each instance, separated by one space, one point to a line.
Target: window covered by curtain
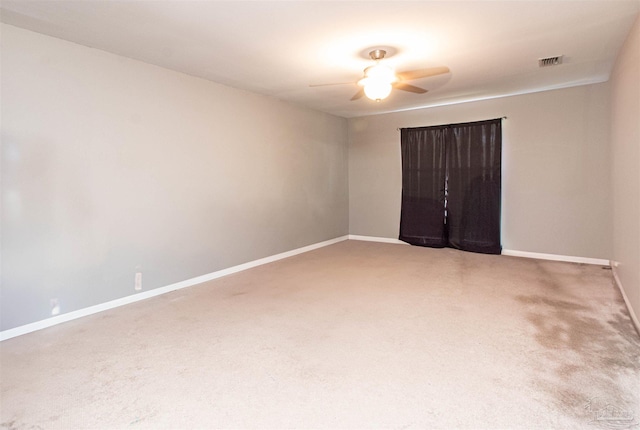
451 186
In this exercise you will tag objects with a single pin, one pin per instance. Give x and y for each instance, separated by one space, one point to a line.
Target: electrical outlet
138 281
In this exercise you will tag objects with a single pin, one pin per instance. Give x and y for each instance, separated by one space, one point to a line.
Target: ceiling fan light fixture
377 89
377 81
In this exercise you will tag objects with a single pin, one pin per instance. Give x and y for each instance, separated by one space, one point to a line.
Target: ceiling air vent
550 61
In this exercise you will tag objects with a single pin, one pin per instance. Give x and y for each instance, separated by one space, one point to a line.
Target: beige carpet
355 335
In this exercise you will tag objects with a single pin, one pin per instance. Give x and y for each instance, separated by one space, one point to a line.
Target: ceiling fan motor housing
377 54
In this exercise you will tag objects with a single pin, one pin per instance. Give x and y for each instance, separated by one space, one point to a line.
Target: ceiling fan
379 79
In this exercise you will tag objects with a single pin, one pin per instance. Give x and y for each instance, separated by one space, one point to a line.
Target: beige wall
556 178
110 166
625 141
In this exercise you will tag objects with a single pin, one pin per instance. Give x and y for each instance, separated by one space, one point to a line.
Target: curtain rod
502 117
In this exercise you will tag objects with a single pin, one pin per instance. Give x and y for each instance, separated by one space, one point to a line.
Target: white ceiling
278 48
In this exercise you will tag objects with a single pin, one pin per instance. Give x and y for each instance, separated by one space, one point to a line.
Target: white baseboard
49 322
540 256
555 257
634 317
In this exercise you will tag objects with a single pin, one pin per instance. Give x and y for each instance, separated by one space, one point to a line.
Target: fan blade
422 73
335 83
406 87
358 95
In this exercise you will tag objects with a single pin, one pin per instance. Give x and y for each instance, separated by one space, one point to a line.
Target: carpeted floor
354 335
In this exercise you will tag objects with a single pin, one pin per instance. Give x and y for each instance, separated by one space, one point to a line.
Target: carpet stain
13 425
582 356
239 293
555 304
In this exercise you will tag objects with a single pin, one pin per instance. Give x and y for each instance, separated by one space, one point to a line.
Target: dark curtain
473 184
423 177
464 197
